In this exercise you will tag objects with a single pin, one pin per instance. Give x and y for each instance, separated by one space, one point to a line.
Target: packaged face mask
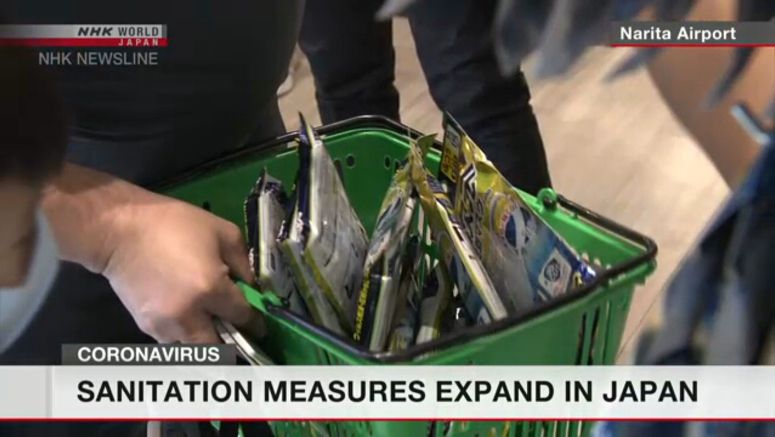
333 238
377 299
318 307
457 254
407 317
450 153
460 317
436 297
527 261
404 330
292 240
265 209
425 313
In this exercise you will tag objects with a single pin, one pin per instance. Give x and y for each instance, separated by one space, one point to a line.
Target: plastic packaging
264 210
526 260
377 299
434 315
404 330
292 242
458 256
335 241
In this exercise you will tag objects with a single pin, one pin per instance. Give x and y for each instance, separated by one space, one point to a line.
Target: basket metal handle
247 349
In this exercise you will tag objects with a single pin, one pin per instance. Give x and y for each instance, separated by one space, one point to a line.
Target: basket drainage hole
388 162
350 161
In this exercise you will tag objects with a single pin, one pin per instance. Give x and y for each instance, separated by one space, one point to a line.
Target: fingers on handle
235 253
194 329
199 329
229 303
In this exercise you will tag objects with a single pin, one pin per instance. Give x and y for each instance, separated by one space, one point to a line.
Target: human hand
171 265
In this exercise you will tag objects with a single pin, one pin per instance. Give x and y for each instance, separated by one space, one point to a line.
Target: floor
612 147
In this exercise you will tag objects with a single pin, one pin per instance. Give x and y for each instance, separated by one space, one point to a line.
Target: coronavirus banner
143 392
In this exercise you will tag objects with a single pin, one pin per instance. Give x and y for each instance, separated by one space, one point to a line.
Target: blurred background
615 147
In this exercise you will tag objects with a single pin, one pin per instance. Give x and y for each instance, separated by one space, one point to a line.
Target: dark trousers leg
352 60
351 57
454 45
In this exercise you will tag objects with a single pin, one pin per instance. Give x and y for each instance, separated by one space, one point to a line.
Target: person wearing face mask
32 144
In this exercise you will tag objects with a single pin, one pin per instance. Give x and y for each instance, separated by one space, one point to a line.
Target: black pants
353 61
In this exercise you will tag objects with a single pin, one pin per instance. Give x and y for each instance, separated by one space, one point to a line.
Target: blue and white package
527 261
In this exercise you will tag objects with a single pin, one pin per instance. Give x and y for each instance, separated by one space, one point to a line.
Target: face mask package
377 299
458 257
460 317
527 261
404 329
450 153
408 319
265 209
434 315
291 242
326 240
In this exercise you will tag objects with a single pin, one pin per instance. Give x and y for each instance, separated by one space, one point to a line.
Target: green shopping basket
580 328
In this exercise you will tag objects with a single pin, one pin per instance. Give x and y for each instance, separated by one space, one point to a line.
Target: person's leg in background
351 57
455 48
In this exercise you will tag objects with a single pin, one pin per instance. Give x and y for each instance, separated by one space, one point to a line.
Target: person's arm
168 261
685 77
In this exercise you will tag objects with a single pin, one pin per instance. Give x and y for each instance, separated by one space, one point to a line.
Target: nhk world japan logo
84 35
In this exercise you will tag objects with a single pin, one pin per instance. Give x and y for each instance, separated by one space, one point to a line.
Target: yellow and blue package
459 259
264 210
377 299
527 261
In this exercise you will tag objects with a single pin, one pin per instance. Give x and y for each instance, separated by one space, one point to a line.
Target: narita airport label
685 33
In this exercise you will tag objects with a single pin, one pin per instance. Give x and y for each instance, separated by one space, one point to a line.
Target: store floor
613 147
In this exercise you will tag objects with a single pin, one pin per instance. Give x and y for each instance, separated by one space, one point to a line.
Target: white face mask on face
18 305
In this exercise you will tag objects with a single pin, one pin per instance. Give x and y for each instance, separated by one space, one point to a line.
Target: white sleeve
19 305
